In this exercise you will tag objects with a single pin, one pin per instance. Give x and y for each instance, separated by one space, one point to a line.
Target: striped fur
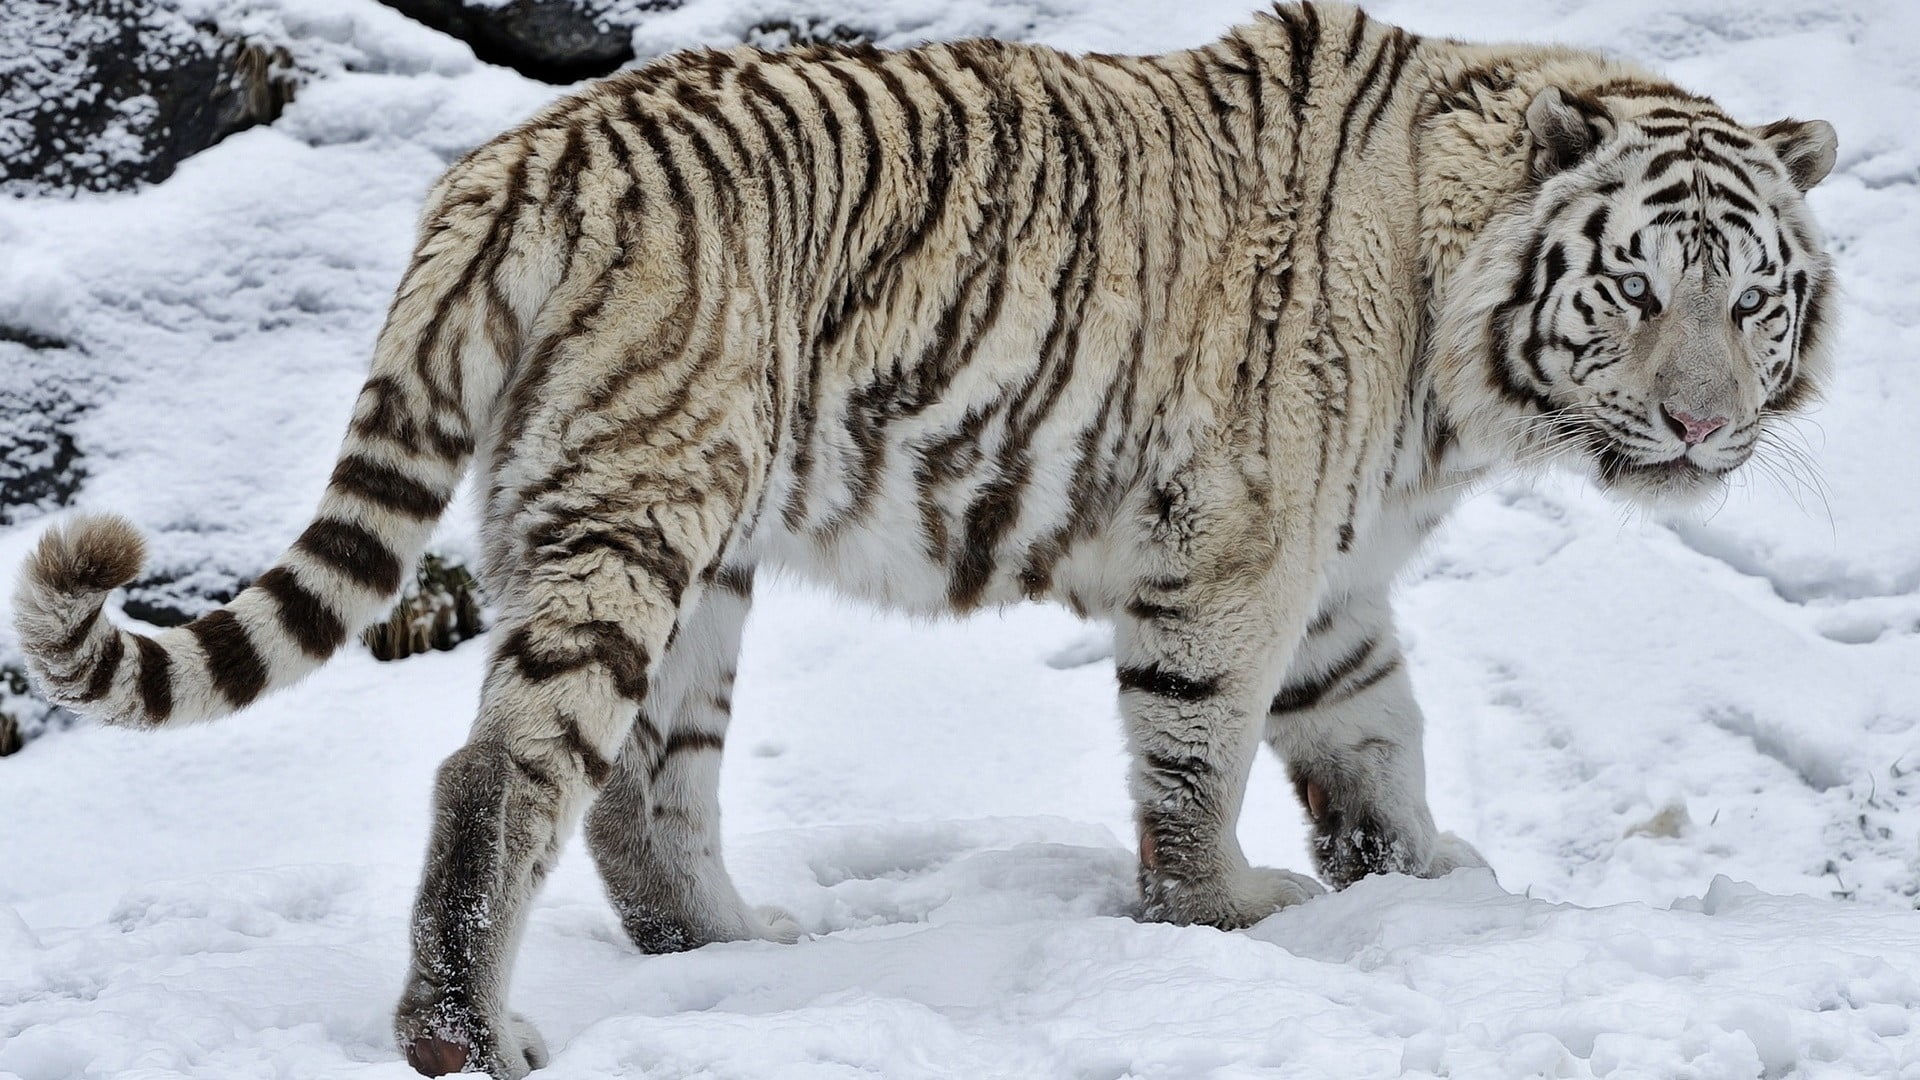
1203 343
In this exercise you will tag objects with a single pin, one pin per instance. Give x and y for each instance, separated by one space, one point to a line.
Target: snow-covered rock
98 95
558 41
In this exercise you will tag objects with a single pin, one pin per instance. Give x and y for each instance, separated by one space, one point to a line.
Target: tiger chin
1202 343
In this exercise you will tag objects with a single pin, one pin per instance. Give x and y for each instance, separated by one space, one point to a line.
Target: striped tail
441 360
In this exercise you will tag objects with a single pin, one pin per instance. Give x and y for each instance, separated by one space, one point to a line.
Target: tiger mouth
1615 466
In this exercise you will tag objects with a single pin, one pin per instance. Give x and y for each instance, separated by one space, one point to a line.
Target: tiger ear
1565 128
1806 147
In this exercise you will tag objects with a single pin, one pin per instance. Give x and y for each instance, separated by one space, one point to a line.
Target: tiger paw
1353 843
777 925
1451 853
505 1051
1229 902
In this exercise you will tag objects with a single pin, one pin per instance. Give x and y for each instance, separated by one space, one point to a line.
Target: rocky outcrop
41 395
565 41
175 599
22 714
780 33
440 609
557 41
100 95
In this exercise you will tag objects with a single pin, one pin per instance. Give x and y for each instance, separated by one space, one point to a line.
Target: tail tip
90 553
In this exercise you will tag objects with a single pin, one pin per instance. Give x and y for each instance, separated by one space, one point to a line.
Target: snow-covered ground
1621 709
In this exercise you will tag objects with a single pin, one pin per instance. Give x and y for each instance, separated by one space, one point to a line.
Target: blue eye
1635 287
1750 301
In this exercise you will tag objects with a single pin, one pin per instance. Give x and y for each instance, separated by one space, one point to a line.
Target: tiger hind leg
595 600
655 830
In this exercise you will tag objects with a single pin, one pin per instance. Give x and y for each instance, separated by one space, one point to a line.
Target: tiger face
1661 300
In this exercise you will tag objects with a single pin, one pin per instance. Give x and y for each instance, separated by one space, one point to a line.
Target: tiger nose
1692 429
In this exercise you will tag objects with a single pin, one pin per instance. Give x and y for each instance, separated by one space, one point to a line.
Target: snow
1691 748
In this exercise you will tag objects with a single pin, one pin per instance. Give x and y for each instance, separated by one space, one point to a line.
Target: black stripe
233 663
1328 361
1730 138
1091 490
998 506
643 546
387 487
1158 681
1500 372
305 617
105 667
806 407
1732 198
1190 772
1594 228
1403 43
737 580
1355 36
597 642
1248 67
81 631
596 767
1585 309
1147 611
1303 41
563 185
1298 697
156 681
354 552
1358 686
1201 73
1678 191
533 772
1658 167
685 742
1553 268
487 254
1322 621
386 415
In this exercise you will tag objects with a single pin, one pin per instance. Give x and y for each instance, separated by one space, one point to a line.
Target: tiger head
1655 301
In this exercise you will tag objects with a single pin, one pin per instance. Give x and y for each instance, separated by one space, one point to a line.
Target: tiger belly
929 542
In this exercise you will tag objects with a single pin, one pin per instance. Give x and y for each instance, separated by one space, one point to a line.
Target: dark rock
440 609
177 598
100 95
32 339
781 33
44 389
556 41
565 41
23 715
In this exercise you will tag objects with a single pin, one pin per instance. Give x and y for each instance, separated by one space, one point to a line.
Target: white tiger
1202 343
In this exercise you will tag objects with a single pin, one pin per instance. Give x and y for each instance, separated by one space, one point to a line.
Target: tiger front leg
1346 723
1192 686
